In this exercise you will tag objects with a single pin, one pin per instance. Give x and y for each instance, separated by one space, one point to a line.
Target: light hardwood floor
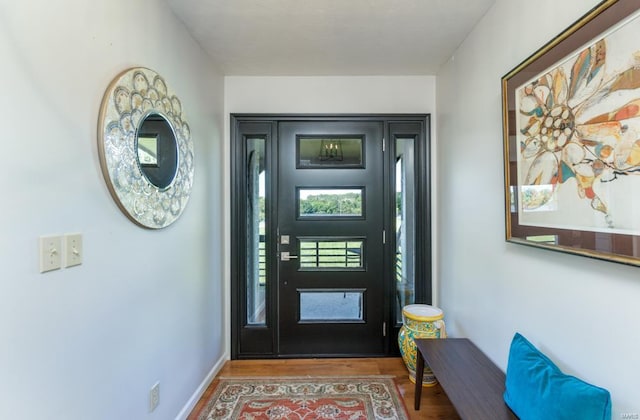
434 403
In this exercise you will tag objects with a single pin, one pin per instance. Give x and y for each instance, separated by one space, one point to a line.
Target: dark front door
331 294
330 232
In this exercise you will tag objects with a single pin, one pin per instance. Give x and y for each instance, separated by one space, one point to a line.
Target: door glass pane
330 152
327 203
332 254
331 306
256 218
405 222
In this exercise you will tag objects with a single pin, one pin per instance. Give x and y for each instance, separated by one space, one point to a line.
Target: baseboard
188 408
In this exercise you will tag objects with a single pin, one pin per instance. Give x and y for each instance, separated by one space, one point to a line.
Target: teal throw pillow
536 389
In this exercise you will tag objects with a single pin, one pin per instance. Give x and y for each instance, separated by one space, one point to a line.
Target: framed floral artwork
571 121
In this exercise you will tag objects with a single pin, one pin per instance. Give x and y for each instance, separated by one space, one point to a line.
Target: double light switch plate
60 251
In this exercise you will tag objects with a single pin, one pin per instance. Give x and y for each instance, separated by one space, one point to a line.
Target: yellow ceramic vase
419 321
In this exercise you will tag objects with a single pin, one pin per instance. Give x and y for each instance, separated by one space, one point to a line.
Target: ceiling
329 37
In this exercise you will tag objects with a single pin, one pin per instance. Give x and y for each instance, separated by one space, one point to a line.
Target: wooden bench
473 383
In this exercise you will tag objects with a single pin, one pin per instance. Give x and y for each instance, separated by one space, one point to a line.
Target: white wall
324 95
145 306
340 94
583 313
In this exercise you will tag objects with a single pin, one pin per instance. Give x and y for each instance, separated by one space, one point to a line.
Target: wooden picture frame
571 126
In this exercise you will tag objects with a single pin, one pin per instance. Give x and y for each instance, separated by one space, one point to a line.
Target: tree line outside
330 204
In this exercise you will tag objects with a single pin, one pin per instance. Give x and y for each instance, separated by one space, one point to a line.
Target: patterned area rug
308 398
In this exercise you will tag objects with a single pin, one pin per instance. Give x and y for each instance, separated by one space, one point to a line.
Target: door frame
251 341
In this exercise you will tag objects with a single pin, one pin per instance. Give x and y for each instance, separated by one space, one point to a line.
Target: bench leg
419 373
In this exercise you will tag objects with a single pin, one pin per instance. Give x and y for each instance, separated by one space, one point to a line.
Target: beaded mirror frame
131 97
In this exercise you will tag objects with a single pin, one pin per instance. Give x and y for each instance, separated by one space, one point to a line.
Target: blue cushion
537 389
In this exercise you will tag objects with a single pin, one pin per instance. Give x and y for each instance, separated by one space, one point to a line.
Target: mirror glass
157 150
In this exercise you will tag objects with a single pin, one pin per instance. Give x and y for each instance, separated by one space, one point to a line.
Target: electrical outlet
154 396
73 249
50 253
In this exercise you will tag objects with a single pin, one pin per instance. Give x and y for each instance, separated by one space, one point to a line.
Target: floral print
577 122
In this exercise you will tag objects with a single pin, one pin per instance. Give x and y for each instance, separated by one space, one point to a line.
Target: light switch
73 249
50 253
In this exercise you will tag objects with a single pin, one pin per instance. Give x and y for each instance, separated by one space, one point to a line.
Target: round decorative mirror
145 148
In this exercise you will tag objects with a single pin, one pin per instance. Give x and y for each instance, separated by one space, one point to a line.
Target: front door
330 233
331 290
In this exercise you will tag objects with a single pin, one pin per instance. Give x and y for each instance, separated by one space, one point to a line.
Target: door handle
285 256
